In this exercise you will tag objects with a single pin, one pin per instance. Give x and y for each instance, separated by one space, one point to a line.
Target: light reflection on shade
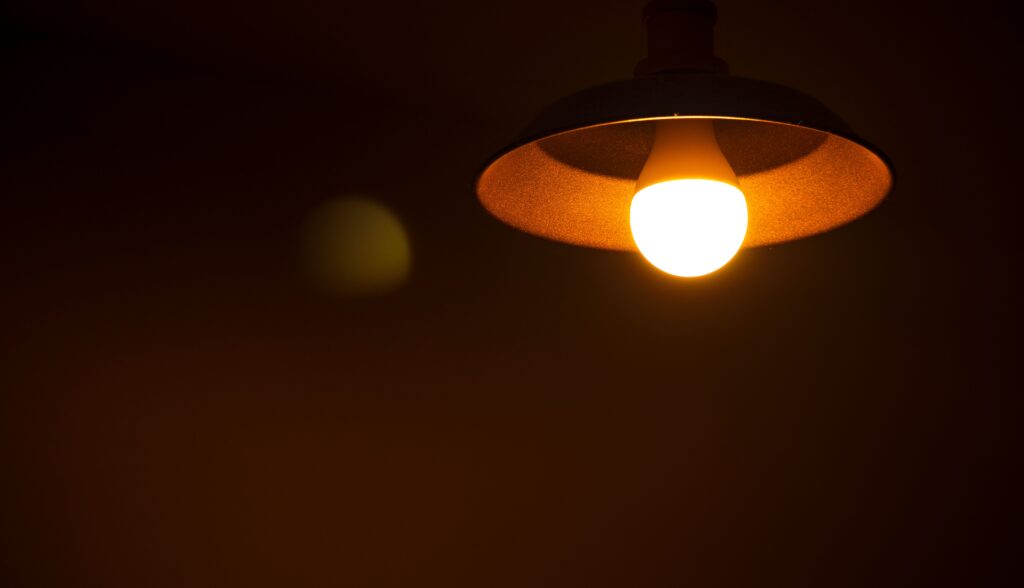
356 246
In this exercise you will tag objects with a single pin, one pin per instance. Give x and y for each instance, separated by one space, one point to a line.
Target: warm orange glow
688 216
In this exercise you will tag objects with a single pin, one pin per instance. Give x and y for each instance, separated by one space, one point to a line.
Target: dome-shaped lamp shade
572 175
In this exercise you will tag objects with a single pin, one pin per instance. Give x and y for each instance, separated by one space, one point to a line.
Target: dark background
180 408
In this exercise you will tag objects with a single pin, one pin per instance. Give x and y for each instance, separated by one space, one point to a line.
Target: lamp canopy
571 174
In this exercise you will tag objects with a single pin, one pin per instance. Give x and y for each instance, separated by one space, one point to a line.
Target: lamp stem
680 38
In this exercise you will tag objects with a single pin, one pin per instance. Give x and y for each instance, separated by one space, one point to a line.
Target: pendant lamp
685 163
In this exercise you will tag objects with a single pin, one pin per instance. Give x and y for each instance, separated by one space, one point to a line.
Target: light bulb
688 215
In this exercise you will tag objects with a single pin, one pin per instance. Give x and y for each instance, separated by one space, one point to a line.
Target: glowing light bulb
688 215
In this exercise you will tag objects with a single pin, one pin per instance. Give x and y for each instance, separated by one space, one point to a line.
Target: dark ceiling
180 407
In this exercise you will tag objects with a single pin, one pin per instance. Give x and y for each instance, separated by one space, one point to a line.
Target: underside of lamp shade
572 175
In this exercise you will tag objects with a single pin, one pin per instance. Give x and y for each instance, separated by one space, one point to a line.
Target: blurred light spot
356 245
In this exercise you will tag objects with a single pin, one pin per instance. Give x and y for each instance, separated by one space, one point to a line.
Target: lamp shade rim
689 95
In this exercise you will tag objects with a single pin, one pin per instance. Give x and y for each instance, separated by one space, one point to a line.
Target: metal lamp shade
572 173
